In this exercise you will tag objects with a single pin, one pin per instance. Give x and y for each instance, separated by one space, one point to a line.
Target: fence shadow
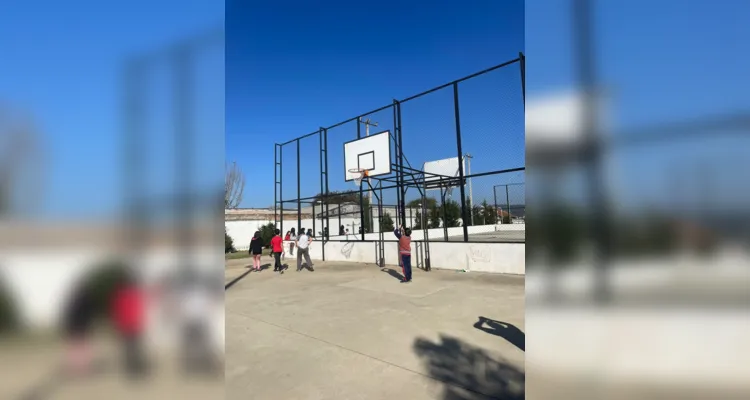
469 372
505 330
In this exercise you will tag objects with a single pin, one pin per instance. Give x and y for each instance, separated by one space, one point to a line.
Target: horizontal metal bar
411 98
300 138
462 79
502 171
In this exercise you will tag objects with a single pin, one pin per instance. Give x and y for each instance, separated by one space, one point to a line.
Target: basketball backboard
435 170
371 153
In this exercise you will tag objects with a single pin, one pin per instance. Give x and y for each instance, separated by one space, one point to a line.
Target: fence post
522 57
361 196
299 202
461 175
281 188
507 201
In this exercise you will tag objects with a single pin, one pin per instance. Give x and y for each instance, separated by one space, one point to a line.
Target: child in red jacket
129 312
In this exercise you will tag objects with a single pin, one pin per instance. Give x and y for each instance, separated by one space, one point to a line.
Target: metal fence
478 119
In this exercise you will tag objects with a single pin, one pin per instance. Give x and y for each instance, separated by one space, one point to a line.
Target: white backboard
372 153
445 167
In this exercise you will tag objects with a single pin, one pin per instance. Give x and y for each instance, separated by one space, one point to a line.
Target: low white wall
502 258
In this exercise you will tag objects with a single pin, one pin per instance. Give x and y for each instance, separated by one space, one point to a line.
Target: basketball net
360 174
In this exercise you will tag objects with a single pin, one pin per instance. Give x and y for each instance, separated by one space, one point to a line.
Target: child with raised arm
404 251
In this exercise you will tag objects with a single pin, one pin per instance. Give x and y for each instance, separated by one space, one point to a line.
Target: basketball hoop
359 174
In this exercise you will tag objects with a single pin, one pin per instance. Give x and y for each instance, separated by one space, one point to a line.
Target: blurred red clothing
128 309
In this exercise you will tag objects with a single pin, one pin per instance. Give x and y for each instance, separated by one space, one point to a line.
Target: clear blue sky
61 62
294 67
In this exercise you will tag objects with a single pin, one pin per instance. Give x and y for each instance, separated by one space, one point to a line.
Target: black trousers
277 266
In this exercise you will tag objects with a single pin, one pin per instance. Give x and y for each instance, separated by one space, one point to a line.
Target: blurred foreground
638 278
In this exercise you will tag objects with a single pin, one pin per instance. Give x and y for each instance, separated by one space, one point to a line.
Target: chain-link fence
474 124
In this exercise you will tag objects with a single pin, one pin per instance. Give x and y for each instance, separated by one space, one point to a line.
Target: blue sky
294 68
63 68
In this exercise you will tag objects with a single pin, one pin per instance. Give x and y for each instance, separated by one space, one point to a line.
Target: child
128 312
292 238
277 248
256 248
404 250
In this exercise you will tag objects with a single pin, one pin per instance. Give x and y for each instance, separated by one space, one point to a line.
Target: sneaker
312 269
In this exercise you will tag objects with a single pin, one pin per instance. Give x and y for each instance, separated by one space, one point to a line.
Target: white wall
503 258
242 231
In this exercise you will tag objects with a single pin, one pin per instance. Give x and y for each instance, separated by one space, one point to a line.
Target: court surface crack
368 356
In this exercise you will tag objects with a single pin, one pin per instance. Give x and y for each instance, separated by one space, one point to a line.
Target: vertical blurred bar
184 146
133 168
459 148
587 79
507 205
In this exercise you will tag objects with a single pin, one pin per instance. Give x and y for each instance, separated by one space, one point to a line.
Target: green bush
386 223
267 232
101 284
228 243
9 319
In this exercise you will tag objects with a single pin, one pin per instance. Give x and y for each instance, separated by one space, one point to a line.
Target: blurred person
303 244
404 251
277 247
78 320
342 231
310 233
292 238
256 249
198 297
128 312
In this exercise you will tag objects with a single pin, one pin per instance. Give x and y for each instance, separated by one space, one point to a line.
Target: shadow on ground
393 273
468 372
505 330
244 274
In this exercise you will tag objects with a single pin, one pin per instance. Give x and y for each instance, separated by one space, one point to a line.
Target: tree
228 243
367 223
452 213
490 213
267 232
434 218
234 186
386 223
429 202
337 197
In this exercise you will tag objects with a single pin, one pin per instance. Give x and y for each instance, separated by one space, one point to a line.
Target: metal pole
361 198
507 204
281 188
522 57
299 194
587 79
327 200
402 189
459 149
275 181
445 214
494 196
471 188
313 218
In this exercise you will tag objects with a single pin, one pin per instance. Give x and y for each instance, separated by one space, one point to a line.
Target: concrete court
351 331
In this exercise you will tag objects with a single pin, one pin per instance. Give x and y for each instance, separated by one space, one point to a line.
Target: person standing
128 311
256 248
277 247
292 238
303 250
404 251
